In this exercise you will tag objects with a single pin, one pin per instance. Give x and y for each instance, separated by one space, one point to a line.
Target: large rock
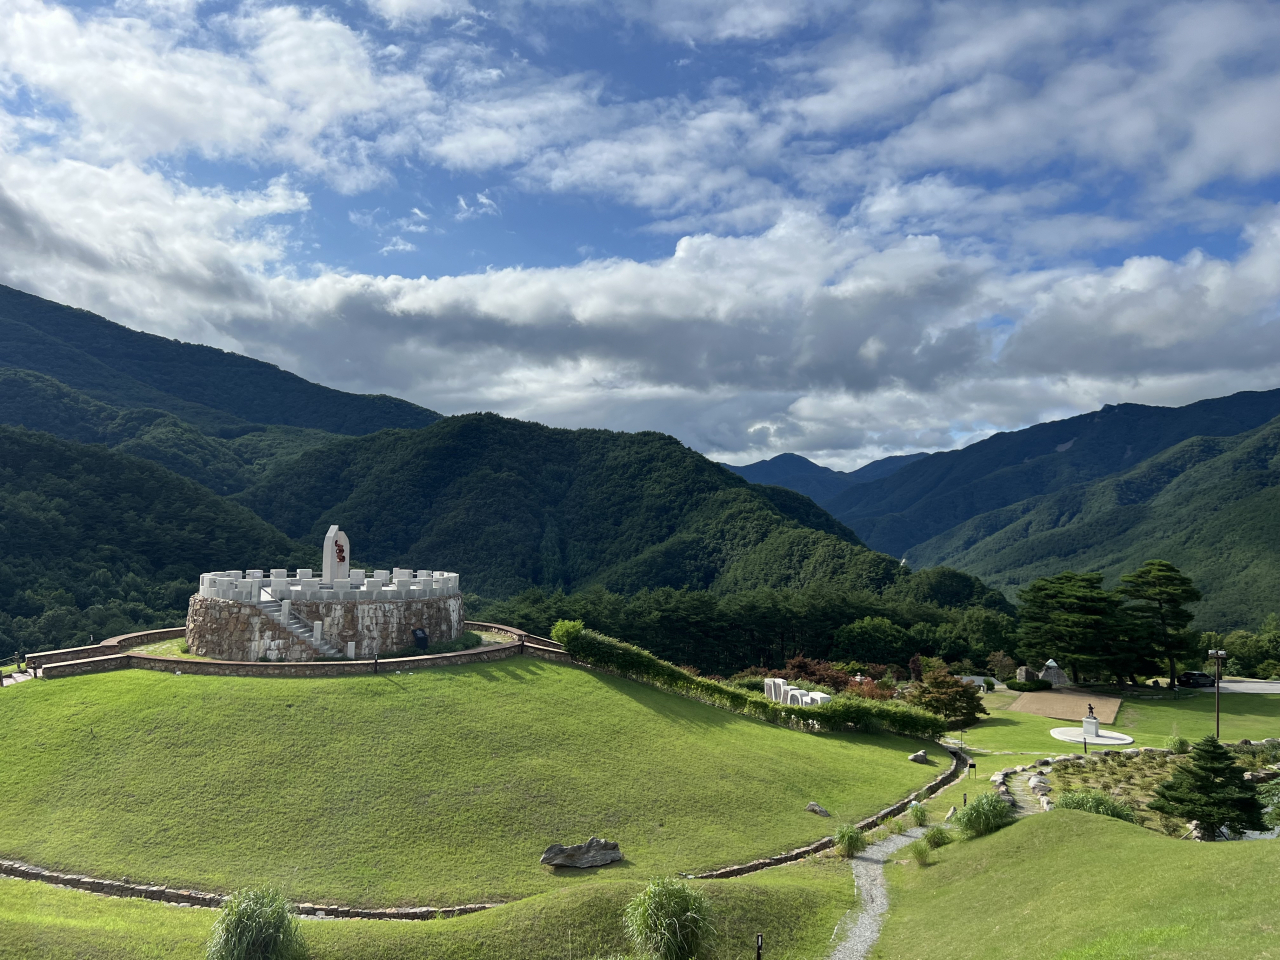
919 757
594 853
818 809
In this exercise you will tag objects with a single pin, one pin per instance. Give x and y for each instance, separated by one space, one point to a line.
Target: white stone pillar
317 631
284 612
351 649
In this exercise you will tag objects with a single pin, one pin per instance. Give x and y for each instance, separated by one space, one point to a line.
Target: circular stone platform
1105 738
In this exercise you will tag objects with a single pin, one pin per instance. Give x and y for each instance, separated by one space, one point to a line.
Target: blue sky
846 230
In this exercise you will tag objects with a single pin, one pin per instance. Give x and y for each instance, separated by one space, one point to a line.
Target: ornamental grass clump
986 814
256 925
937 837
1177 745
669 920
920 852
850 840
919 814
1095 801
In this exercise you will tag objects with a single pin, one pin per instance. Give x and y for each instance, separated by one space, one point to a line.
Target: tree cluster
1142 627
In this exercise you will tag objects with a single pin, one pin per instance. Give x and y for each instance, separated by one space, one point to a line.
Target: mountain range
514 505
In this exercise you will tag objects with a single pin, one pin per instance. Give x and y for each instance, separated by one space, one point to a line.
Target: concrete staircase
296 625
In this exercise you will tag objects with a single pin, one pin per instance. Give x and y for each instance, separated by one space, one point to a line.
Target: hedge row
841 713
1028 686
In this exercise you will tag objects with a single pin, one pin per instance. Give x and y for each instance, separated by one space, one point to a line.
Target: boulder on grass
594 853
818 809
919 757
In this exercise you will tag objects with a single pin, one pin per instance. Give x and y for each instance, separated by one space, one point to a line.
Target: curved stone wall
239 630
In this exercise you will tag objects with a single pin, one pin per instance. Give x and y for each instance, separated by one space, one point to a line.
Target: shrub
868 716
1028 686
919 814
895 826
1178 744
256 925
943 694
669 920
1095 801
567 631
985 814
989 683
937 837
920 852
850 840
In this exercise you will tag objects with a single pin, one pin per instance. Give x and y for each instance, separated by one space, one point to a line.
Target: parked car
1193 678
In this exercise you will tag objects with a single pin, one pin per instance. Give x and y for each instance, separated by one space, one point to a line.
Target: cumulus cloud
888 227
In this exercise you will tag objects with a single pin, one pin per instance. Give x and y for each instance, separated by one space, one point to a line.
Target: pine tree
1071 619
1159 591
1211 790
949 697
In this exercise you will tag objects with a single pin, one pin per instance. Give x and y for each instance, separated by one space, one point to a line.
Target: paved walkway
868 877
1243 686
18 677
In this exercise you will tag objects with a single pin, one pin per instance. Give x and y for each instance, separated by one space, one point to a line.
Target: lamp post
1217 656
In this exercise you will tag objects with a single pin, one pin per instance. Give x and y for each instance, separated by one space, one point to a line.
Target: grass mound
795 907
433 787
1067 885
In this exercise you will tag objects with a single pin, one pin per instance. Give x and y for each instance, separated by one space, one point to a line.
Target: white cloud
880 238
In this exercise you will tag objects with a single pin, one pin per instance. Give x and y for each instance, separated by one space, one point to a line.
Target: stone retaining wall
928 790
239 630
197 898
107 648
313 668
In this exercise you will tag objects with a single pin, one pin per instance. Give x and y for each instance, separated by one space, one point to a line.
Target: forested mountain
937 493
813 480
101 542
224 465
1209 505
516 505
218 392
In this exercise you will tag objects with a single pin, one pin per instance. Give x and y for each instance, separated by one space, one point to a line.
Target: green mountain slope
97 541
1210 505
931 496
217 391
814 480
37 402
514 505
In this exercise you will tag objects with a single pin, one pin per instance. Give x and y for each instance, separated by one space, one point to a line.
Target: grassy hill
794 907
438 787
216 391
514 505
101 542
1210 505
927 498
1069 885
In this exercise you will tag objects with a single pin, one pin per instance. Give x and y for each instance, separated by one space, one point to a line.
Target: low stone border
928 790
107 648
196 898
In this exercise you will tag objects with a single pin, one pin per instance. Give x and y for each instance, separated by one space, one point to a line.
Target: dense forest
514 505
101 543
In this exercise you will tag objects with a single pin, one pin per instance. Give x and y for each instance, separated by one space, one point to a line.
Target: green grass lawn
1068 885
1244 715
796 907
433 787
167 648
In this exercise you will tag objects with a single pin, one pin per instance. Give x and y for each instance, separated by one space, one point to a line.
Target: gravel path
868 875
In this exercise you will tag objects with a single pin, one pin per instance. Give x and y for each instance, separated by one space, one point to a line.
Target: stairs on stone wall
296 626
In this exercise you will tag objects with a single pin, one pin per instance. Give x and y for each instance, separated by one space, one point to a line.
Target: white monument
337 557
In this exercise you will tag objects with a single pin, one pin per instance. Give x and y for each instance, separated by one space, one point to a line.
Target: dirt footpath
1067 705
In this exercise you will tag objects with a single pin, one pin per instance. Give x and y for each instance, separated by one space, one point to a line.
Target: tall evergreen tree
1158 593
1211 790
1071 619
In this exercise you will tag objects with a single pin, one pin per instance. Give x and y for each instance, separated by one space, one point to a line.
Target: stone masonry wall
234 630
